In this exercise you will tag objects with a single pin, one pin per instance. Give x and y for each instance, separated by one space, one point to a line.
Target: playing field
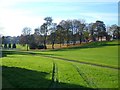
94 65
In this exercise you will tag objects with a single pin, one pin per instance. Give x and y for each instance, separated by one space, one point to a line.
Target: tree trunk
27 47
60 42
67 39
60 39
80 39
101 38
45 42
53 45
73 38
98 38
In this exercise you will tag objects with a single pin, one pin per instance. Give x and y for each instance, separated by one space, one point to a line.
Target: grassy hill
93 65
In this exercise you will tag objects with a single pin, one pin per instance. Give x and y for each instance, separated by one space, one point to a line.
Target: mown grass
26 71
32 69
105 53
68 74
98 77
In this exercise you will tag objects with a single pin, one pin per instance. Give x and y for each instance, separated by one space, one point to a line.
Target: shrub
42 47
35 46
9 46
14 45
32 46
5 45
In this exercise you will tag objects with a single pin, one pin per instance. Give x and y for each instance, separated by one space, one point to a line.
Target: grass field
62 68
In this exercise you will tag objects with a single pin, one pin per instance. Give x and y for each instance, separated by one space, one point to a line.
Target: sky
17 14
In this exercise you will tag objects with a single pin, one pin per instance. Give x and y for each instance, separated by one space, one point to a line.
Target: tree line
67 32
9 42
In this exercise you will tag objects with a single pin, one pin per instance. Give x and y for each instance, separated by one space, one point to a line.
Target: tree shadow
13 52
21 78
85 46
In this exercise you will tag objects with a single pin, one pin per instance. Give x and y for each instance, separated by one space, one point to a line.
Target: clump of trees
66 32
8 46
69 32
9 42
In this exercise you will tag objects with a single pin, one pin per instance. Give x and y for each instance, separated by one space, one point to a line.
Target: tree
92 29
45 28
48 21
22 40
115 31
86 33
37 31
53 28
66 26
101 30
78 27
33 44
4 41
26 34
74 27
60 34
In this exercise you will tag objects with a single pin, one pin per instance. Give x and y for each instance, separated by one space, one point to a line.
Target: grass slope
105 53
22 69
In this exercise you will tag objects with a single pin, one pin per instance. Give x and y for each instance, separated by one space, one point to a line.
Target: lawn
34 69
105 53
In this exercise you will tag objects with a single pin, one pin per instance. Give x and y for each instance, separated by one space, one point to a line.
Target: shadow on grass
14 77
89 45
13 52
85 46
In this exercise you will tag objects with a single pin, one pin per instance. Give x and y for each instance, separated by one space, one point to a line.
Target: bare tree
26 33
43 30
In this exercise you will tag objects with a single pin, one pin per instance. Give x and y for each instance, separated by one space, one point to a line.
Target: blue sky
17 14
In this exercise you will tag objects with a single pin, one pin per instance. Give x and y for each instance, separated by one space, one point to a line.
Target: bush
34 46
9 46
42 47
14 45
5 45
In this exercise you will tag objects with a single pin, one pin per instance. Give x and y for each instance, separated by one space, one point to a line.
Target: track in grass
54 76
68 75
88 81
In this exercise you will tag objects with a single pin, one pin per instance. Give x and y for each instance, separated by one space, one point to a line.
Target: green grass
105 53
99 77
21 47
68 74
32 69
26 71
